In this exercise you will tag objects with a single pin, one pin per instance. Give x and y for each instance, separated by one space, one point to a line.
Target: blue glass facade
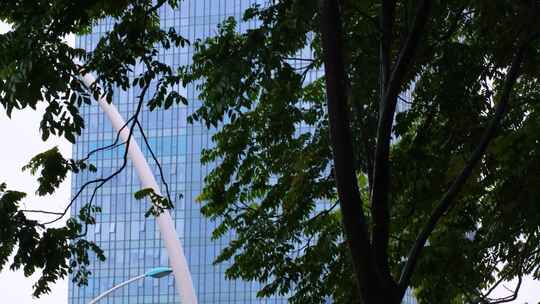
132 242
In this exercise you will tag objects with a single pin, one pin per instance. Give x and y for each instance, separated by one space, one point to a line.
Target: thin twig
114 145
102 181
40 211
161 174
126 152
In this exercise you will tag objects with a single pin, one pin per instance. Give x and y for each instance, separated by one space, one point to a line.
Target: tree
39 67
434 172
305 102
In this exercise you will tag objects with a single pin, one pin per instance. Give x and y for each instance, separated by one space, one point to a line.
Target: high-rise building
132 242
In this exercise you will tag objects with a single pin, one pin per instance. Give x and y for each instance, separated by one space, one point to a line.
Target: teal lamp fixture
158 272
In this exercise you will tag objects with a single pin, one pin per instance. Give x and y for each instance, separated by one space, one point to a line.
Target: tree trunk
373 285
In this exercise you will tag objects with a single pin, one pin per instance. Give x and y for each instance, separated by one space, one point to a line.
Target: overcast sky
21 141
20 138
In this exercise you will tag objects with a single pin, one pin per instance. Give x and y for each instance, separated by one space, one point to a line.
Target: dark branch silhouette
102 181
391 82
354 221
448 199
158 164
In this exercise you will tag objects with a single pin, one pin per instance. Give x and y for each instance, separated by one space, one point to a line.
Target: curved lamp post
155 273
177 259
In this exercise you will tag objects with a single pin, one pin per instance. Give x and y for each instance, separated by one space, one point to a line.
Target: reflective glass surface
131 242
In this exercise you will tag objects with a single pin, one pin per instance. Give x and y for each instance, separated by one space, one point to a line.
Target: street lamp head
158 272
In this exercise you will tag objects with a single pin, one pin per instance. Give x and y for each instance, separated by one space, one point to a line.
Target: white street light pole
106 293
177 259
155 273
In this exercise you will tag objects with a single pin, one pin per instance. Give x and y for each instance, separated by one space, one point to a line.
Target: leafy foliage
54 169
274 163
55 251
274 186
158 203
39 69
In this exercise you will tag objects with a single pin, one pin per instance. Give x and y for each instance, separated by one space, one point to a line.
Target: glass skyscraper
132 242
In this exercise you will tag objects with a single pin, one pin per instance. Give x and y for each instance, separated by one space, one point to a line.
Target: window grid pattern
132 242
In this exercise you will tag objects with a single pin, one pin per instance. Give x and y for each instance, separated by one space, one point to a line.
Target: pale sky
21 139
21 134
21 142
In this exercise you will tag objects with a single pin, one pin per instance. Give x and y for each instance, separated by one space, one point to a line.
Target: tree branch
102 181
511 297
381 231
449 197
156 160
354 222
514 293
387 23
41 211
157 6
112 146
322 213
391 86
126 151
